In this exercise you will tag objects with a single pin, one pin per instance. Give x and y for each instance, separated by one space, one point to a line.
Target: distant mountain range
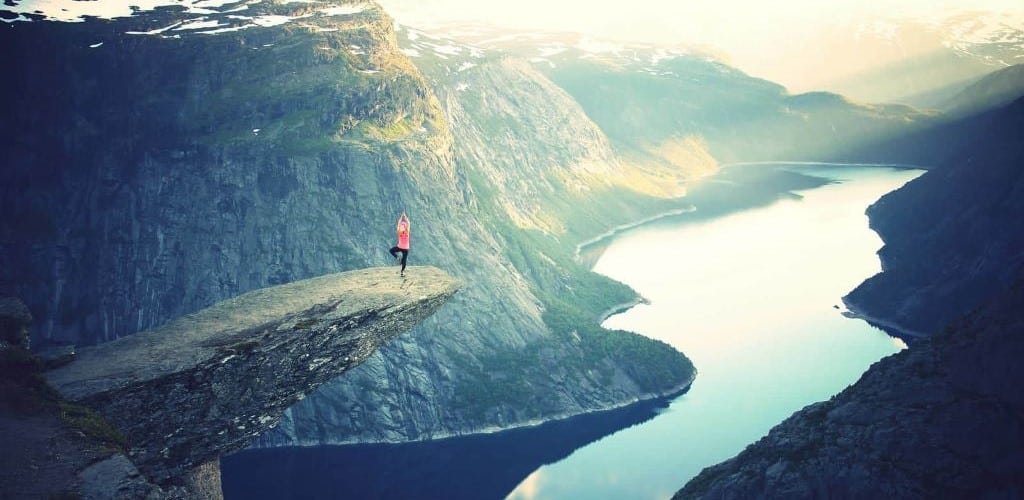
656 103
927 60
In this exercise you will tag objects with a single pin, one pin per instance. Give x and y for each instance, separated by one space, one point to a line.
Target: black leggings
405 255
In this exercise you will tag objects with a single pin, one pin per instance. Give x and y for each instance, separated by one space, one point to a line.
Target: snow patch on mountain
344 10
198 25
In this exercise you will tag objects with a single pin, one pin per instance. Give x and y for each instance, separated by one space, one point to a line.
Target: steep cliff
545 179
187 167
953 236
939 420
205 384
514 125
180 158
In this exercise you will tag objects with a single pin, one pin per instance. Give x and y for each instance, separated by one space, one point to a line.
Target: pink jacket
403 235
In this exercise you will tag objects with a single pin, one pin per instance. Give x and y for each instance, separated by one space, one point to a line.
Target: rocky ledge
944 419
205 384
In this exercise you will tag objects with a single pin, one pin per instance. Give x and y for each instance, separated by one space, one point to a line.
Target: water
748 296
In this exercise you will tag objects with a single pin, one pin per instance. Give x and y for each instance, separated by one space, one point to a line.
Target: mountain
546 180
995 90
965 122
940 419
952 237
176 158
915 59
655 102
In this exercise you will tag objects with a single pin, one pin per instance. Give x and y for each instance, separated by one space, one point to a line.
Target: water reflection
472 467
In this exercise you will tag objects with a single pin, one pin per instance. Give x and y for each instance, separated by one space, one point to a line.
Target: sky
803 44
726 21
793 42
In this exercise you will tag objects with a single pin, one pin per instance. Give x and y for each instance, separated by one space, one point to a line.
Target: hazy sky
731 23
767 39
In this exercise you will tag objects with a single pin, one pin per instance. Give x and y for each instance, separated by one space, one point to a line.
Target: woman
402 228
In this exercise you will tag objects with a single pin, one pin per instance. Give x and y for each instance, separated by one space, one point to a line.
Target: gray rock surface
117 477
204 481
207 383
15 320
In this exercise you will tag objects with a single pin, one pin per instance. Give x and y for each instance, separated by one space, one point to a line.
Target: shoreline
825 163
621 308
668 396
891 328
630 225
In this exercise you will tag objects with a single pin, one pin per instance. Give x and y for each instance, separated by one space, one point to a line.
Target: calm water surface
749 297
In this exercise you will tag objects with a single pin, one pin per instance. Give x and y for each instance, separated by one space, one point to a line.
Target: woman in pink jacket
402 228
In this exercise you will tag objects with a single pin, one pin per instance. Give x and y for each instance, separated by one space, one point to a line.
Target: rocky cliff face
171 400
519 127
186 167
174 161
953 236
939 420
545 178
207 383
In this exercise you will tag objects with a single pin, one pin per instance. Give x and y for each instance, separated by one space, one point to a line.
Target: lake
752 296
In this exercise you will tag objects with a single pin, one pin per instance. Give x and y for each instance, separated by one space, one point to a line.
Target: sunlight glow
528 488
803 44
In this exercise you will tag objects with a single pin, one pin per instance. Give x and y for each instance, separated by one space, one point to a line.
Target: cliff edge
207 383
939 420
953 236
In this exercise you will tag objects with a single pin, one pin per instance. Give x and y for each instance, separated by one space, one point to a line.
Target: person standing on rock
402 228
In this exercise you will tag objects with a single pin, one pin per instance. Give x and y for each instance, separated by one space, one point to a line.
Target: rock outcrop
940 420
207 383
171 167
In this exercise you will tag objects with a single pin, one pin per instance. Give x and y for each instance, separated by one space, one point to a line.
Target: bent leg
394 251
